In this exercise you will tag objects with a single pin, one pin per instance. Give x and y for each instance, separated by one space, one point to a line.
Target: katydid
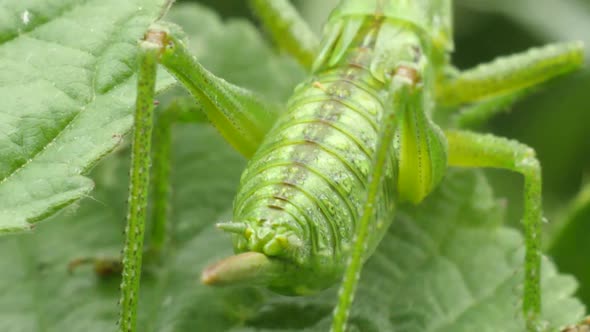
327 169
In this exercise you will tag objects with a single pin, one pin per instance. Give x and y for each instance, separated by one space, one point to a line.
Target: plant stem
138 185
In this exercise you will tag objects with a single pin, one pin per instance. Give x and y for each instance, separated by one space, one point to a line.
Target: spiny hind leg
241 116
490 87
402 98
288 29
179 110
468 149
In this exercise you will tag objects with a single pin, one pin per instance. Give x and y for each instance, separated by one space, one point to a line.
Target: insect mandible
327 170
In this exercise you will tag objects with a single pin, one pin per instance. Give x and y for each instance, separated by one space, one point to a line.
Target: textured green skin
432 18
308 180
309 176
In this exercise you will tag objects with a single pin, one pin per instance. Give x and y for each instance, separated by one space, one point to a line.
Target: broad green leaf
568 246
447 265
67 87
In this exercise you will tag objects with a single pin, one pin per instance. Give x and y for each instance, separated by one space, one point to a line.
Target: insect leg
179 110
288 29
468 149
161 156
138 182
240 115
476 115
403 89
510 74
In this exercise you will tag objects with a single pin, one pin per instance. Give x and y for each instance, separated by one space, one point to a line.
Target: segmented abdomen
307 182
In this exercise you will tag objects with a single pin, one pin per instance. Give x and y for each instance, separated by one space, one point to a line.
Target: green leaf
67 86
568 246
447 265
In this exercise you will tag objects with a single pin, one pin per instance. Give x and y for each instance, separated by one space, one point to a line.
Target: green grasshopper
327 170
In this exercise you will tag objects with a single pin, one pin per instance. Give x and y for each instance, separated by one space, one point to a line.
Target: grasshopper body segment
431 21
302 194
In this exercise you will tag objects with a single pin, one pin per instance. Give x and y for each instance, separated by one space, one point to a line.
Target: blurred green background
555 120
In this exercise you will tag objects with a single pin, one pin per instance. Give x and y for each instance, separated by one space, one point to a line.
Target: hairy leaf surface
567 247
67 85
446 265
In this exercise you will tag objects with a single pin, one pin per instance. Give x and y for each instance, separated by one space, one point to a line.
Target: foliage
67 84
447 265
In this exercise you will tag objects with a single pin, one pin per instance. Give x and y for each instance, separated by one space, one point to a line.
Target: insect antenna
233 227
